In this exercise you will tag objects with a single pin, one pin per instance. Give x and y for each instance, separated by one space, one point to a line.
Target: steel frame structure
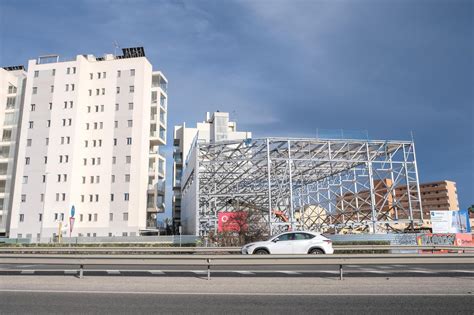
313 184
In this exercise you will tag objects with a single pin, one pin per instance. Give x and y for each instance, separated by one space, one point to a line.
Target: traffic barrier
233 260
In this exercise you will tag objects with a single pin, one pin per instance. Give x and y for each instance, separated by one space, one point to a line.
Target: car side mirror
275 240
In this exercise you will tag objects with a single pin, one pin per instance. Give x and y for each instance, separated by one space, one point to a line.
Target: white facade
90 137
215 128
12 84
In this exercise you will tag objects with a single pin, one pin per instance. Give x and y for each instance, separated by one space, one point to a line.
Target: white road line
234 293
27 272
70 272
466 271
198 272
156 272
400 266
290 272
421 270
243 272
373 271
113 272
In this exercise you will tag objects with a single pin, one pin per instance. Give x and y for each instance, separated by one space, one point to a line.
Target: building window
44 178
132 88
118 90
103 91
125 216
83 179
22 218
82 200
53 73
114 160
130 123
95 217
97 91
46 140
23 198
126 196
111 218
73 69
67 87
127 178
37 73
132 72
111 197
72 87
35 90
90 217
98 75
68 71
104 75
119 73
48 123
50 106
45 160
28 142
25 180
116 124
27 160
32 107
129 141
102 107
40 217
52 88
115 141
116 107
30 124
91 76
128 159
90 92
113 179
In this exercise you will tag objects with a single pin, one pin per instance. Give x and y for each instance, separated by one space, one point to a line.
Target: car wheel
261 252
316 251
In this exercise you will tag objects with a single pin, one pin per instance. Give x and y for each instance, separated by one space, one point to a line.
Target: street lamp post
44 201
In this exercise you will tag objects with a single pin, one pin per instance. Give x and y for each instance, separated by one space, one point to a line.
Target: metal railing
234 260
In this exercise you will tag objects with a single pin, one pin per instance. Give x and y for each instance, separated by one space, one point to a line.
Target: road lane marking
27 272
198 272
289 272
113 272
243 272
156 272
373 271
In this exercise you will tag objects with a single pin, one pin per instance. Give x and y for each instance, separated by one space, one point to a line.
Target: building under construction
325 185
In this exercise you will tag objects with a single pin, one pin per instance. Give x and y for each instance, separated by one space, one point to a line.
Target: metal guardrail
140 249
234 260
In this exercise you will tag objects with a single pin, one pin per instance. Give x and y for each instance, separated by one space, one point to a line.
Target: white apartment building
215 128
90 138
12 83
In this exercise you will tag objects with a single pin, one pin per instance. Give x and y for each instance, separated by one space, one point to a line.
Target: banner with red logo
231 221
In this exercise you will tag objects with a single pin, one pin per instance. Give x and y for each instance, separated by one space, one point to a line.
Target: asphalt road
120 303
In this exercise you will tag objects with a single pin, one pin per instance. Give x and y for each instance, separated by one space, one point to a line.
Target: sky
287 68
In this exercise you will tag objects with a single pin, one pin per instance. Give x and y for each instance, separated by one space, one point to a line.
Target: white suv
300 242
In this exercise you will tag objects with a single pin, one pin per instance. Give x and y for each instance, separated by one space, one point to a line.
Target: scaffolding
316 184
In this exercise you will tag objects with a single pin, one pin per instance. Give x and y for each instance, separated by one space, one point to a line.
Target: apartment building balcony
157 137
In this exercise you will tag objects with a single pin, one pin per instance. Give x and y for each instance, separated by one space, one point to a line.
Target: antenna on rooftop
116 46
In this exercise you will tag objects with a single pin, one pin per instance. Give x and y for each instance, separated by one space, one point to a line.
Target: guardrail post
341 276
81 271
208 269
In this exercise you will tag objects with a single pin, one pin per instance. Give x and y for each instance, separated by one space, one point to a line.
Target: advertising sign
448 221
231 221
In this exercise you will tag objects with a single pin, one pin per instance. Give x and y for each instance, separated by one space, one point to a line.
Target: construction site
323 185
